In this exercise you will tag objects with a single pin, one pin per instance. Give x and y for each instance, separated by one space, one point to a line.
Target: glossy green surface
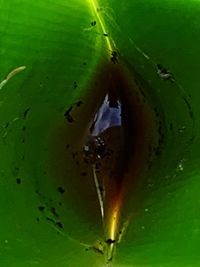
65 61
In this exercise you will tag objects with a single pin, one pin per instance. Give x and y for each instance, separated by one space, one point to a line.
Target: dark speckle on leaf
84 173
75 85
110 241
6 126
23 128
41 208
54 212
50 219
114 57
110 259
26 112
79 103
61 190
16 171
101 189
93 23
18 180
68 116
74 154
105 34
60 225
37 219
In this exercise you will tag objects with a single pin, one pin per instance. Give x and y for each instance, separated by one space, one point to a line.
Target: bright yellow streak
114 221
94 7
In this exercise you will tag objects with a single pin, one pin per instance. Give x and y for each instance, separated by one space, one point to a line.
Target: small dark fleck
61 190
54 212
142 92
16 171
60 203
189 108
77 162
86 249
99 9
68 115
23 128
114 57
23 158
84 173
149 164
26 112
110 259
101 189
98 250
93 23
74 154
105 34
156 112
67 146
75 85
60 225
37 219
84 63
157 152
18 180
79 103
110 241
41 208
50 219
6 126
23 140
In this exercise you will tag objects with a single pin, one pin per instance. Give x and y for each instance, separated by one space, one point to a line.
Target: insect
11 74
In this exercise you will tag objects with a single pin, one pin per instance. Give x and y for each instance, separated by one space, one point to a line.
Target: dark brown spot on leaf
61 190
